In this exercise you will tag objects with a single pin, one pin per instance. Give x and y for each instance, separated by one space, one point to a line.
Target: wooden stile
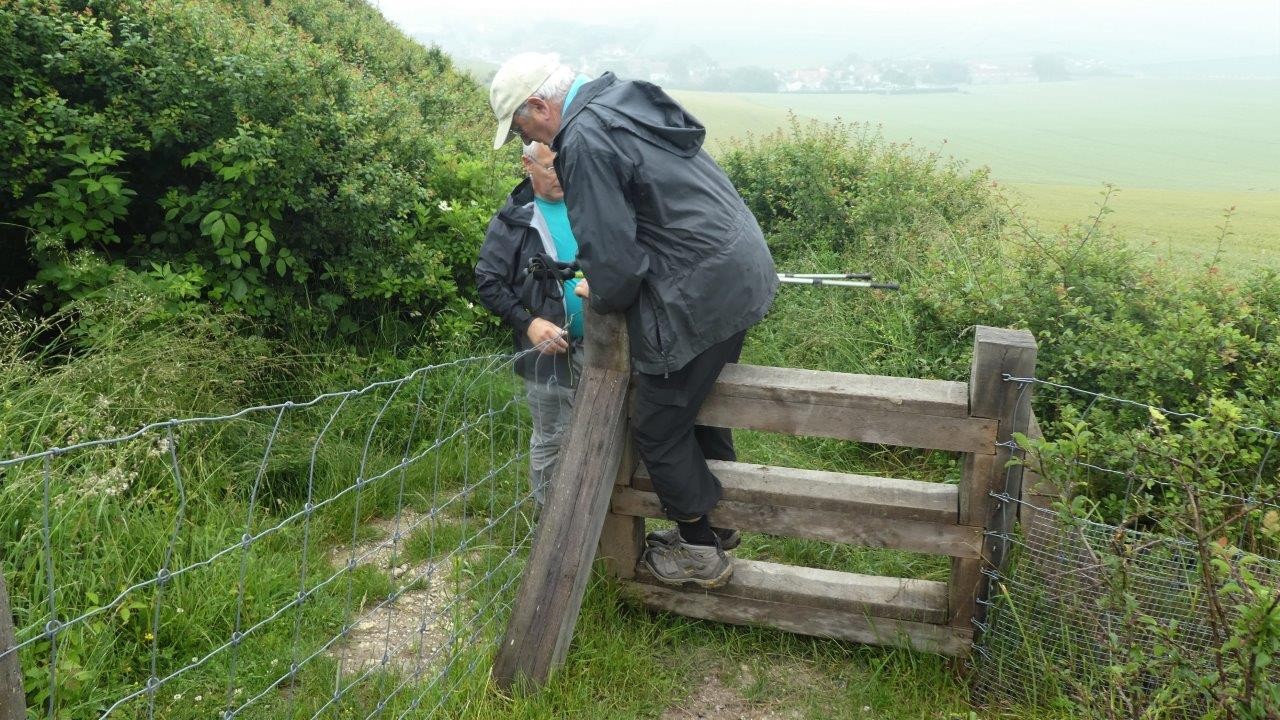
555 576
804 619
606 341
870 595
940 398
864 495
601 493
931 414
826 525
622 539
996 353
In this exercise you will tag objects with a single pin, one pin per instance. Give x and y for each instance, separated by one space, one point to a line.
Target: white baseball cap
517 80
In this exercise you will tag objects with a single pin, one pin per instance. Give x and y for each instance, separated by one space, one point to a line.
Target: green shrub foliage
301 161
838 187
1107 318
303 164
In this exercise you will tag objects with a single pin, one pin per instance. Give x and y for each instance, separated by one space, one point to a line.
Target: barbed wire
1012 476
1153 480
1124 401
1148 478
1053 605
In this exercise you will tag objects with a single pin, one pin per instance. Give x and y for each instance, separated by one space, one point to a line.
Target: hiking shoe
704 565
729 538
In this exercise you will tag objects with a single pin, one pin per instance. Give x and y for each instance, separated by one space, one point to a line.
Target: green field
1180 151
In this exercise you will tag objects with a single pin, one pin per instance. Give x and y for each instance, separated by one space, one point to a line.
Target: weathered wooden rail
601 495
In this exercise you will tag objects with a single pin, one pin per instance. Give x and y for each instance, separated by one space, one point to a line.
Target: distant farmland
1180 150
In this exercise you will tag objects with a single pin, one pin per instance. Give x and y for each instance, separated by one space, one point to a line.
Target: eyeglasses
519 131
545 168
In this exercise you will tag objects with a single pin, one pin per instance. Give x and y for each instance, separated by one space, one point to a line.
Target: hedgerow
300 162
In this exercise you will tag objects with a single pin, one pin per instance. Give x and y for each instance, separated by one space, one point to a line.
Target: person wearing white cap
665 238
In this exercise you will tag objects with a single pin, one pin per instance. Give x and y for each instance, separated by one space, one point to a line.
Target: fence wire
1080 599
1096 396
380 535
1129 619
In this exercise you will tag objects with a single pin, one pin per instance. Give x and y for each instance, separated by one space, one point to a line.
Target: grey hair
531 148
557 85
554 89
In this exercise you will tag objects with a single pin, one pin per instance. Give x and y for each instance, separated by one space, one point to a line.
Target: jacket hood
643 109
518 210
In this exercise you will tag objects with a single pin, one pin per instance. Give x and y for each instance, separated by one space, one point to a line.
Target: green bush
301 162
819 188
1107 318
1111 321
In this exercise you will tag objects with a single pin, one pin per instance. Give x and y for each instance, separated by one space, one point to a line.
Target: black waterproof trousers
674 449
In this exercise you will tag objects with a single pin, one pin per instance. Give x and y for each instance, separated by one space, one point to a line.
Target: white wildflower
160 448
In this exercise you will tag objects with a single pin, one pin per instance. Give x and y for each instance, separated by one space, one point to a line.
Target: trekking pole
859 280
798 280
830 276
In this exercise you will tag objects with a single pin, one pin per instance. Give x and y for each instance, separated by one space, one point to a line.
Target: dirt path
418 626
726 692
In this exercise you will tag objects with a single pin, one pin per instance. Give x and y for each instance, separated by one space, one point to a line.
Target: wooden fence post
622 539
590 463
996 353
13 700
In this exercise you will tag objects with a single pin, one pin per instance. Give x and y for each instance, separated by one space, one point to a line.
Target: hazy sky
1116 30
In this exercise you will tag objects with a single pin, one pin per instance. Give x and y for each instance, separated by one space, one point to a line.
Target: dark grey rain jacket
662 234
512 239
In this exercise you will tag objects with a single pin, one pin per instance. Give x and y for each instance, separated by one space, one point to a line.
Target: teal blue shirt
578 82
557 217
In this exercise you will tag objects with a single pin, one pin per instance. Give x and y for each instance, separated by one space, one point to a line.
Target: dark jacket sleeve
496 274
596 177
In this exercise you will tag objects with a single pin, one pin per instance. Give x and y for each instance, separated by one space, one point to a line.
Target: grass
117 513
1181 151
627 662
1181 227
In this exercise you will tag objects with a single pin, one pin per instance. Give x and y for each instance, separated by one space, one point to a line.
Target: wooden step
833 507
822 490
930 414
823 603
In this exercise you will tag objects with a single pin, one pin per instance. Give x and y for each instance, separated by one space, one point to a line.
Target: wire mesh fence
352 555
1168 606
1106 617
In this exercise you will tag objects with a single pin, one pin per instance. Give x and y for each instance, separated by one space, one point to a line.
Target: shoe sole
718 581
650 541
